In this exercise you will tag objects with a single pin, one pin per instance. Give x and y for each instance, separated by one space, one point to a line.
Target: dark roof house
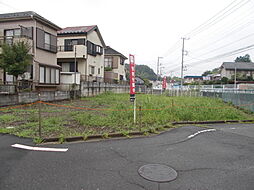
238 65
111 51
79 30
27 15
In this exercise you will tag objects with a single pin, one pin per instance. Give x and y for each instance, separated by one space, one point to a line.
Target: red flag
164 83
132 76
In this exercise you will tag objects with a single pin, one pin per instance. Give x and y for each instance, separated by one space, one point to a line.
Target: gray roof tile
238 65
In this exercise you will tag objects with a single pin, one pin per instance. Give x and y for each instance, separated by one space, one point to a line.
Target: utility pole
182 62
158 67
75 63
235 78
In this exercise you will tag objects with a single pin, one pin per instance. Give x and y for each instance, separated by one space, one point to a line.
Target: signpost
132 84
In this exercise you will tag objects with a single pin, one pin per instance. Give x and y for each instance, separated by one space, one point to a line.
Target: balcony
13 39
69 51
69 78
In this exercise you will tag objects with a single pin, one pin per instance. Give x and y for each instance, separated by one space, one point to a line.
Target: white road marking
39 148
232 128
204 131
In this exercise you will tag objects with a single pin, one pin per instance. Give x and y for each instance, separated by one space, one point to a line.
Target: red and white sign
132 76
164 83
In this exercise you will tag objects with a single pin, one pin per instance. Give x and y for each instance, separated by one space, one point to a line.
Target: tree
15 58
142 71
207 73
214 71
245 58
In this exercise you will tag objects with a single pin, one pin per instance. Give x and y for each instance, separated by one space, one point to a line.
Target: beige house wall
84 65
117 67
98 60
120 69
230 73
39 56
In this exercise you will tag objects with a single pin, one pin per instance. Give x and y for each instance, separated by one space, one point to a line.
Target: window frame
51 69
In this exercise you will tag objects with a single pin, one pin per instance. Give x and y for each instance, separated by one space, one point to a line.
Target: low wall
85 89
95 88
29 97
242 100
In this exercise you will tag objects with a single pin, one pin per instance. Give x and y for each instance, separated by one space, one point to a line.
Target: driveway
204 159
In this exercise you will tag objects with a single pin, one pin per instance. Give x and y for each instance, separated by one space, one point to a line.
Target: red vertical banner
132 77
164 83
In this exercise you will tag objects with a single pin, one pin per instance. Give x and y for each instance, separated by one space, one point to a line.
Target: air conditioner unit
25 76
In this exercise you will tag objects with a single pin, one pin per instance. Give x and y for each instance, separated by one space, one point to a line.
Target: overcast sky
152 28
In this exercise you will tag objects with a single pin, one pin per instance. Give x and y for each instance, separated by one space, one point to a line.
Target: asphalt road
221 159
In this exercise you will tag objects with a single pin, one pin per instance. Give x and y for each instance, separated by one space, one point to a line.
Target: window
69 67
68 43
108 62
10 34
42 74
99 71
57 76
92 68
53 75
99 50
91 48
47 41
49 75
121 61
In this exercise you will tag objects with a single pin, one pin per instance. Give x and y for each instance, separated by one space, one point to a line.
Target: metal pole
235 76
134 111
182 64
39 114
75 68
140 117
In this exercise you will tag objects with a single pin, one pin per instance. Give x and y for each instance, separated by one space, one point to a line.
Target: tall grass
114 113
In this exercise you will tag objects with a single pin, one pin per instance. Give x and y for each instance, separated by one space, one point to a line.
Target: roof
238 65
81 30
111 51
76 30
195 77
27 15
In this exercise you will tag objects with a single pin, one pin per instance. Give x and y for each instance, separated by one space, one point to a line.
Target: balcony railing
13 39
65 48
70 51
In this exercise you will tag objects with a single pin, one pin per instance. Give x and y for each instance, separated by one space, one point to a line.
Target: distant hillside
142 71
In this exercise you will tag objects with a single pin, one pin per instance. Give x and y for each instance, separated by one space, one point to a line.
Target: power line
227 54
8 6
248 36
211 22
232 31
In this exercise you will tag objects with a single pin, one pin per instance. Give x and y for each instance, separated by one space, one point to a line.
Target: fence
238 98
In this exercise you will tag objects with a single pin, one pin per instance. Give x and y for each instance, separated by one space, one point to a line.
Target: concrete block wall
86 89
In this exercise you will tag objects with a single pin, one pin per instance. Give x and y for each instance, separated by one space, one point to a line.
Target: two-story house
41 34
114 65
242 69
80 54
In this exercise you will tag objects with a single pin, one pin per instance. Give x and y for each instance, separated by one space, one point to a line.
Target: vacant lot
109 113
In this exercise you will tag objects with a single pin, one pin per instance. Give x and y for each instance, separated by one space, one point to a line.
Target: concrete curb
134 133
210 122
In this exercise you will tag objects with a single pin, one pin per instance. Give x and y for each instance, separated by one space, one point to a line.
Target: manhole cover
157 173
